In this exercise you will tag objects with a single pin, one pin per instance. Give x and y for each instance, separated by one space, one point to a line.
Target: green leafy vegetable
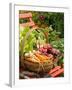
29 39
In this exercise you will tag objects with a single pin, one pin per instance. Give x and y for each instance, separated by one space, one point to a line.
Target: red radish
45 53
50 56
60 71
55 51
44 50
41 49
55 69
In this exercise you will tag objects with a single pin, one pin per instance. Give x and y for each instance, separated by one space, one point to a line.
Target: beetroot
50 55
55 51
48 49
41 49
45 53
44 50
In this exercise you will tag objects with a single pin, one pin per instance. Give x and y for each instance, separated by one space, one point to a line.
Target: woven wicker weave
36 66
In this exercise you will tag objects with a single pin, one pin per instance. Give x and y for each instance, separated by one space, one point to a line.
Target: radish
55 51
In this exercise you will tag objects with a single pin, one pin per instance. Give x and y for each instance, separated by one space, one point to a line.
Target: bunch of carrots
38 57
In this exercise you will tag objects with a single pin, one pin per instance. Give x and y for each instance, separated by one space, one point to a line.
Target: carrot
55 69
32 59
36 58
41 57
57 72
45 56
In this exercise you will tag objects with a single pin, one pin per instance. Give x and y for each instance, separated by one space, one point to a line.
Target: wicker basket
36 66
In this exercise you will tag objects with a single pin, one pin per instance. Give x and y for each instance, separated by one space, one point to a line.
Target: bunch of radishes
47 49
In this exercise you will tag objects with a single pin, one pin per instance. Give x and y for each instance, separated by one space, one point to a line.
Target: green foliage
50 34
59 44
45 19
29 39
53 37
50 18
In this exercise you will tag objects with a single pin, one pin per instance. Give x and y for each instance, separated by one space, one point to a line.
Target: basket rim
36 62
